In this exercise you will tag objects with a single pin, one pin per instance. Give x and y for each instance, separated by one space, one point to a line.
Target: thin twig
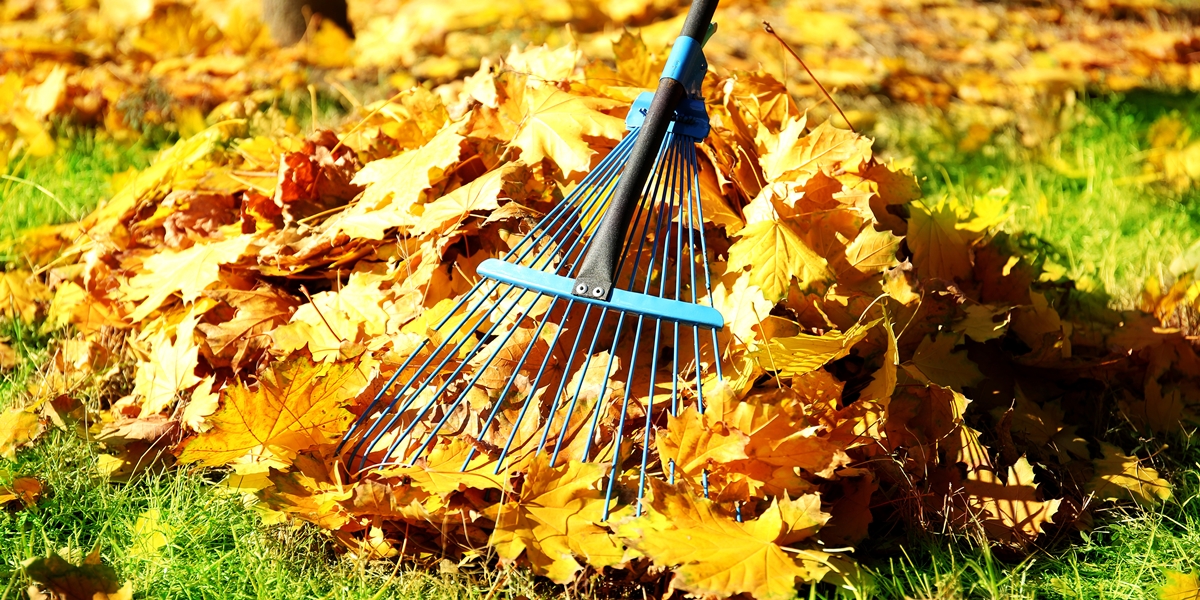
771 30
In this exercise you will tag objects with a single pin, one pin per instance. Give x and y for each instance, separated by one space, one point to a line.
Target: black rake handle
598 269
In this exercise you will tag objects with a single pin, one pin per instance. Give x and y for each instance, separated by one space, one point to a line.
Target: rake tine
694 192
450 380
594 194
541 371
429 378
655 189
641 208
465 362
664 214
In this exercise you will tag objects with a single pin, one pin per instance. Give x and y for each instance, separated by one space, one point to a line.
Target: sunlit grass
1082 189
65 186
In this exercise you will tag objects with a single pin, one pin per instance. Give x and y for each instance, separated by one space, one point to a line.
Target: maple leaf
1121 477
743 306
18 427
713 554
883 383
26 490
90 579
935 361
803 353
20 295
395 184
776 256
245 335
553 123
802 517
479 195
335 318
980 322
797 156
311 491
554 520
544 65
693 445
171 368
939 249
296 405
870 253
187 273
1041 327
1180 586
1012 508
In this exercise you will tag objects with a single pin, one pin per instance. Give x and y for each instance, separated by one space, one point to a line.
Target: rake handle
599 265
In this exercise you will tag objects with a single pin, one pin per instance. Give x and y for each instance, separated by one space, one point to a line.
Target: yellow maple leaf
884 380
553 123
296 405
479 195
695 445
1121 477
554 520
803 353
801 517
1180 586
743 306
1011 509
776 256
395 184
544 65
713 554
18 427
798 155
188 273
336 319
981 324
20 295
171 368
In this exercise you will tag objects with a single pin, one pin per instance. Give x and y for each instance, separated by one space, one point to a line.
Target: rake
610 288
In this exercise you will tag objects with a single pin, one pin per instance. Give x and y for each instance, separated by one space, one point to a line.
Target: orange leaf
296 405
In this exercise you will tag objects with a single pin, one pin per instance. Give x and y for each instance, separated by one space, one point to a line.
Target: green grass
212 545
1077 190
1125 556
1071 191
65 186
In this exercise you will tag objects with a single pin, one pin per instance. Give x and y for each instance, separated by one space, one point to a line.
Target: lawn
180 534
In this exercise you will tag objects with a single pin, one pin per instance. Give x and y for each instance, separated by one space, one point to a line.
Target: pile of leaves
886 357
130 66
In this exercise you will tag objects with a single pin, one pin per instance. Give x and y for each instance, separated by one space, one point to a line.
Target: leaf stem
771 30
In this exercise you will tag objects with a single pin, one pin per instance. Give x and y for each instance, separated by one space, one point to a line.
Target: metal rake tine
606 195
449 380
665 212
655 190
647 208
423 369
591 349
695 193
614 164
695 198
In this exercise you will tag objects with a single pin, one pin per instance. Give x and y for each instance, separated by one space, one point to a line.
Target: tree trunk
287 20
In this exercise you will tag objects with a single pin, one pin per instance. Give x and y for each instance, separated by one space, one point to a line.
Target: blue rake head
537 356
